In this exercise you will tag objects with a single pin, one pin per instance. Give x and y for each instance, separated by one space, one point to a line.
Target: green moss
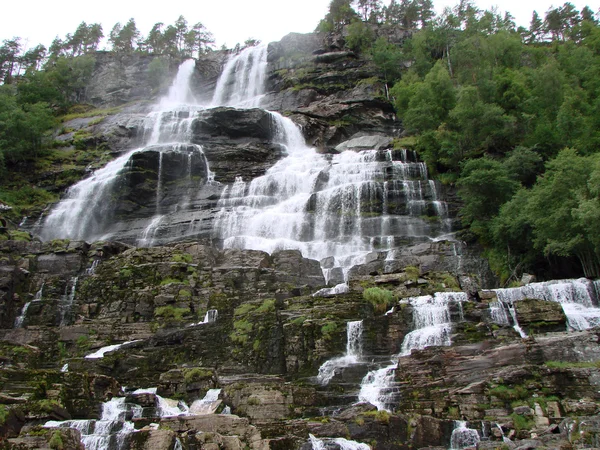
56 441
83 344
244 309
79 114
412 273
171 312
4 412
267 306
379 416
170 280
378 297
573 365
521 422
184 293
328 329
182 258
196 374
299 320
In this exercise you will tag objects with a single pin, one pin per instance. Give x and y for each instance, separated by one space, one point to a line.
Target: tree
484 186
557 214
198 40
340 14
9 56
536 29
124 39
388 58
370 10
154 42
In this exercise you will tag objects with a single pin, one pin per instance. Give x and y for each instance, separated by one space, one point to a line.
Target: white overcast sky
231 21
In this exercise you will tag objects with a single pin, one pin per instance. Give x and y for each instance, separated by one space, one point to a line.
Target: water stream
353 353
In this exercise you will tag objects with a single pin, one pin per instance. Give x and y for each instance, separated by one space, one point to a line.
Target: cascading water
241 83
67 300
578 298
21 317
342 206
431 320
463 437
109 348
353 353
341 443
87 212
210 317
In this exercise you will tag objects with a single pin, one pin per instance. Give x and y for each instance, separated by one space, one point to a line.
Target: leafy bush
170 312
378 297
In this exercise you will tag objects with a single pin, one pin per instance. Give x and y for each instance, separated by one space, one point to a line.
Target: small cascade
92 269
463 437
208 404
109 348
376 387
110 432
353 353
336 443
21 317
68 300
432 327
241 83
178 445
65 368
578 298
149 233
210 317
431 318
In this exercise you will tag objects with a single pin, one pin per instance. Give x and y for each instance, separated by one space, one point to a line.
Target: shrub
170 312
378 297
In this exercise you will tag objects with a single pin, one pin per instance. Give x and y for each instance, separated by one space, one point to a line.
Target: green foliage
379 298
196 374
329 329
4 412
412 273
360 36
573 365
267 306
171 312
388 58
522 422
83 343
56 441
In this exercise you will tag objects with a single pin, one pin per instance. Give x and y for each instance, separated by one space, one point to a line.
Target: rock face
266 346
395 359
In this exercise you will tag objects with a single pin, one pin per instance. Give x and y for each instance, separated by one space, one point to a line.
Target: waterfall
341 443
208 404
110 432
431 319
109 348
324 206
375 387
241 83
353 353
86 211
67 300
21 317
578 298
431 327
210 317
463 437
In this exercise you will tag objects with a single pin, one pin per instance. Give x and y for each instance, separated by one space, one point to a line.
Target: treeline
176 41
39 84
511 116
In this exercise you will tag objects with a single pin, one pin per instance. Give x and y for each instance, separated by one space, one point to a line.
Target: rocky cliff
162 334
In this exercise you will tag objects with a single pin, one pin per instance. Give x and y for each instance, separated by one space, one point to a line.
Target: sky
230 21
